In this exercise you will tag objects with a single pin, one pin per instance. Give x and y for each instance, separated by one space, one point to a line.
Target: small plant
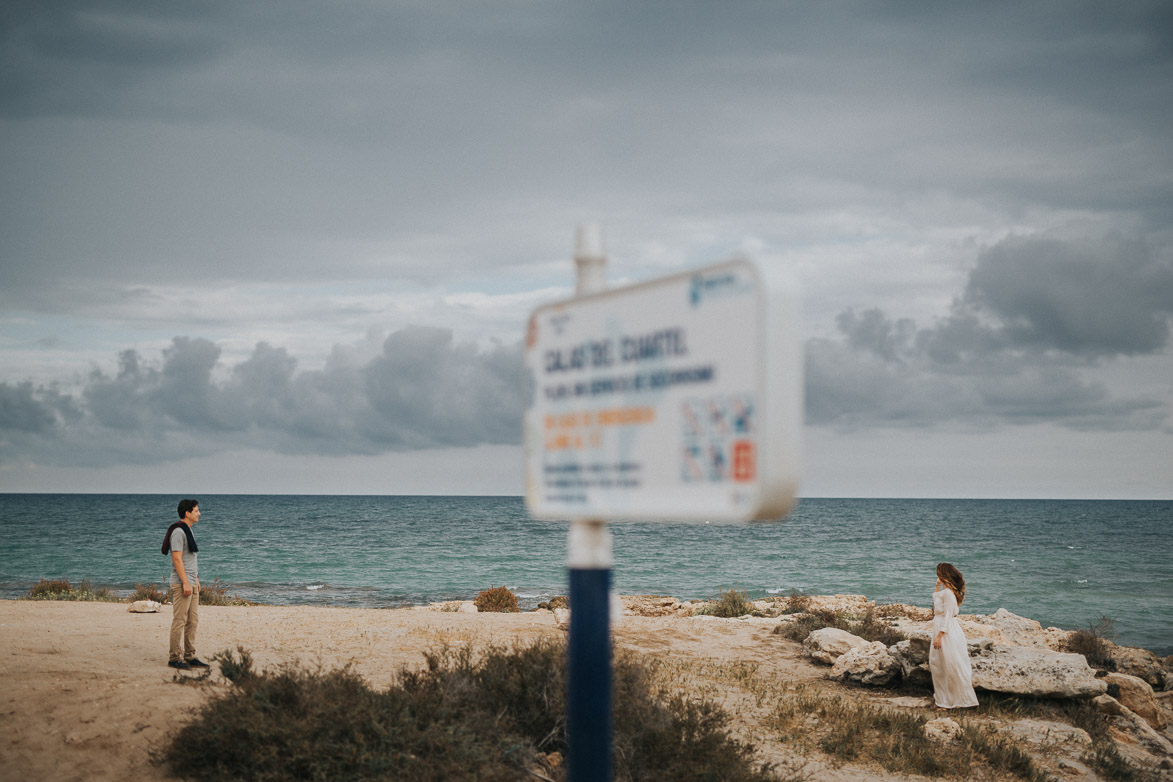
149 592
497 600
731 605
1093 643
61 590
216 594
797 602
237 670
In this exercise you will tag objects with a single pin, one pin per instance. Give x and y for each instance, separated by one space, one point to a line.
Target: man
185 587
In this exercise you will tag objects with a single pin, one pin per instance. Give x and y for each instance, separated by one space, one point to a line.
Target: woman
948 656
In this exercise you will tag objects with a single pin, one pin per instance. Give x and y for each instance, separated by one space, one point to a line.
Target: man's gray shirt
190 565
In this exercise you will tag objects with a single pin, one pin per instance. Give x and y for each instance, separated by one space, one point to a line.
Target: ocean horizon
1065 563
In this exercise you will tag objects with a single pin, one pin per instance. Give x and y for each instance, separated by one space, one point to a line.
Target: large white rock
562 618
868 663
1032 671
829 644
144 607
468 607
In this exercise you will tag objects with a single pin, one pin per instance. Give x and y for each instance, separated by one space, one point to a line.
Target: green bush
494 715
497 600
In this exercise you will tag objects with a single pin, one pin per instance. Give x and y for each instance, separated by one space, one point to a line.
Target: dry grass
849 730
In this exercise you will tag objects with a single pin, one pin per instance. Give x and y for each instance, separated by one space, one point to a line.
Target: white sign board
677 399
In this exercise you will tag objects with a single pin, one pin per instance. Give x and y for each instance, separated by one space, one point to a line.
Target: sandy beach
87 694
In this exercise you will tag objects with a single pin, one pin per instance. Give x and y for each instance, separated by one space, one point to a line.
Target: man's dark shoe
180 664
196 662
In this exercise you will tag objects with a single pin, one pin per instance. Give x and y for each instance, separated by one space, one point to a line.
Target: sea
1065 563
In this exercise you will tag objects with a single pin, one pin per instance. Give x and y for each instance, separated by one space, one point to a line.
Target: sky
290 247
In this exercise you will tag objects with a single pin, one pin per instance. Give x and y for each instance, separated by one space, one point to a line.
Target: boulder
1130 729
1142 664
1138 696
868 663
1040 673
467 607
942 729
144 607
912 656
829 644
562 618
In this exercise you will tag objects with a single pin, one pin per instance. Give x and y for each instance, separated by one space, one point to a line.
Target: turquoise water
1062 562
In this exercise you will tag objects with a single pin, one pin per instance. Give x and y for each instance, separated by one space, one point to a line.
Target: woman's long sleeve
948 611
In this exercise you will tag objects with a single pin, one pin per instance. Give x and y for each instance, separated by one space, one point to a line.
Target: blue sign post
589 561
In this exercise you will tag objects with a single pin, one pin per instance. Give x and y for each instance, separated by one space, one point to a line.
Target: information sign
676 399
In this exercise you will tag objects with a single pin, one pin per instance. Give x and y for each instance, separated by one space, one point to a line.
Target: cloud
424 390
1036 315
1107 297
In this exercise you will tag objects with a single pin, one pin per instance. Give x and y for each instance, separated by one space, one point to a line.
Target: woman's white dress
952 674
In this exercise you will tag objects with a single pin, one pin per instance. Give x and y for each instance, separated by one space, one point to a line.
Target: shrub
61 590
216 594
493 717
498 600
797 602
1093 643
47 589
149 592
234 669
731 605
869 626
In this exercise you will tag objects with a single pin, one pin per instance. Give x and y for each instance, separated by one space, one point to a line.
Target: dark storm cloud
1101 298
218 140
424 390
1036 313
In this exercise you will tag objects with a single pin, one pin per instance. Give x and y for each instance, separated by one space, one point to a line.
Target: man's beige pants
185 618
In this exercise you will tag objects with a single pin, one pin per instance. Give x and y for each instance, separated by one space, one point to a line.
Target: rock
851 604
1138 696
868 663
942 729
650 605
467 607
1132 729
1049 733
562 618
912 656
144 607
905 611
828 644
1036 672
1142 664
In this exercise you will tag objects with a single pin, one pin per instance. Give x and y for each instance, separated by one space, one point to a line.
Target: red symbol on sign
743 461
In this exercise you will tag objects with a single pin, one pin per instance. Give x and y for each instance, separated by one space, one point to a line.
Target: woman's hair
951 577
